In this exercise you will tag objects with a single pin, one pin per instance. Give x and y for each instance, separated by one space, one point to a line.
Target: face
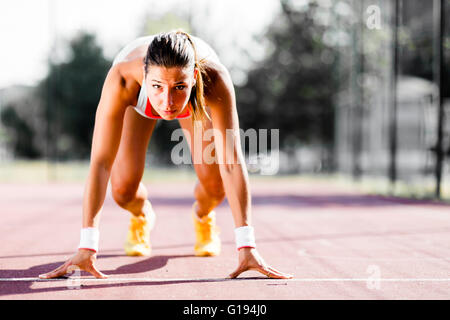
169 89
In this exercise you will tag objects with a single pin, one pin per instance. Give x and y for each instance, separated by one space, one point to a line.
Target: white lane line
226 279
378 259
303 253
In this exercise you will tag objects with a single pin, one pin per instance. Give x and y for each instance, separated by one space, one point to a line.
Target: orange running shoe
138 238
206 233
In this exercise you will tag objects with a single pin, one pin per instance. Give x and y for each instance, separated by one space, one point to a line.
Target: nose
168 101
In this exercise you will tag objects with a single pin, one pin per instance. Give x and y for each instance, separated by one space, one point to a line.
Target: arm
106 138
232 166
233 170
105 143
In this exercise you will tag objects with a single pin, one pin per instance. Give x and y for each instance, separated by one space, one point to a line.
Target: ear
195 74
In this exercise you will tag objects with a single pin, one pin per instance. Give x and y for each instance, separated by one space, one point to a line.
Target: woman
168 76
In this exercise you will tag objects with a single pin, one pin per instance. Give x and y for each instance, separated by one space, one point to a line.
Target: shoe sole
206 254
137 254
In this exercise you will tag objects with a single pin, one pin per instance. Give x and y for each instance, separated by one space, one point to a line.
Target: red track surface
338 245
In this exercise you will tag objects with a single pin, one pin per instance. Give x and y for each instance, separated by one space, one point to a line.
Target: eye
180 87
156 86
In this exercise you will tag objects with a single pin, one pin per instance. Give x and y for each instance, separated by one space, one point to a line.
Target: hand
249 259
83 259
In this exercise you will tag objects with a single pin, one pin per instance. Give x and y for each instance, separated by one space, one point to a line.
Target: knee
123 194
214 189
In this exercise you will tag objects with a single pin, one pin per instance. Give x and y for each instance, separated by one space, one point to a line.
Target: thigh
128 167
208 174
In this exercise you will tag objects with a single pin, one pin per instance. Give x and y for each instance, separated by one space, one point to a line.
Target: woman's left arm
222 102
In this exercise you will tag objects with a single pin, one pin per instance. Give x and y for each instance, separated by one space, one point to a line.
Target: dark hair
177 49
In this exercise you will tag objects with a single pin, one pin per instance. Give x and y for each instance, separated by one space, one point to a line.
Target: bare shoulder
219 90
218 83
123 78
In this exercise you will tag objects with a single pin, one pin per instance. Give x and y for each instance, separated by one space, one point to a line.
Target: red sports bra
149 112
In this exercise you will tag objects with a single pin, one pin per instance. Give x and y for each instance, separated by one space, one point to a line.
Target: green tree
71 93
20 134
292 89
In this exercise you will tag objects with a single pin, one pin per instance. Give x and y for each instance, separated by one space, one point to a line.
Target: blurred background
359 89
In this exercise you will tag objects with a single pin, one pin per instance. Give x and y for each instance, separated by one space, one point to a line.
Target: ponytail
197 99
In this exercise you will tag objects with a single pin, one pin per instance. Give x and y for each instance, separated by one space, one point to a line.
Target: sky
29 29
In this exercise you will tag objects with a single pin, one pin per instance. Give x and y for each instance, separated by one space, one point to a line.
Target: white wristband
89 239
245 237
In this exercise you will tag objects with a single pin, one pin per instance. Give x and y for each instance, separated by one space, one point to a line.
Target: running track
338 244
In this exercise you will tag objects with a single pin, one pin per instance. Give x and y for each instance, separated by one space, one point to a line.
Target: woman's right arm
114 100
105 143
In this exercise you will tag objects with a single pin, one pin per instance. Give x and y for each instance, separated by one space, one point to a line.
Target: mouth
169 112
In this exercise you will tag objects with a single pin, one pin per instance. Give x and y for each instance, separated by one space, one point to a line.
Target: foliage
292 88
71 93
20 134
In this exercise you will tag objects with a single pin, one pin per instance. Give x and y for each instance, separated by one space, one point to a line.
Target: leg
127 189
209 191
128 168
